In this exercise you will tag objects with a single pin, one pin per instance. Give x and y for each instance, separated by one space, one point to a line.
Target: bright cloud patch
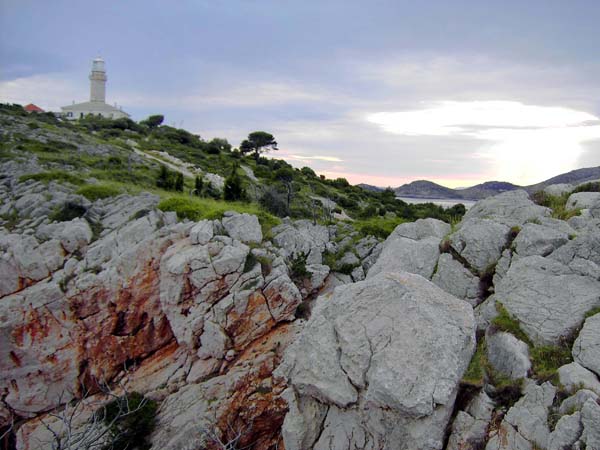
524 143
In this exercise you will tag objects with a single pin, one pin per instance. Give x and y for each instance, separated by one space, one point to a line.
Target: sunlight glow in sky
522 142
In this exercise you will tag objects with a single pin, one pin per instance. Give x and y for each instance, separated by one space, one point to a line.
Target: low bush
131 430
95 192
68 211
60 176
380 227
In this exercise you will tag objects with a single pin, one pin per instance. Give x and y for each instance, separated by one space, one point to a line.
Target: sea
445 202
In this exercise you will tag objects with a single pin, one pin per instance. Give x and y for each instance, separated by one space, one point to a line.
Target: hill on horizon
429 189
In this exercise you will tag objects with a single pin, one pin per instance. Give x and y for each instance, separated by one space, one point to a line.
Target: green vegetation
100 148
67 212
592 312
547 359
54 175
95 192
557 204
131 420
475 374
298 267
505 322
593 186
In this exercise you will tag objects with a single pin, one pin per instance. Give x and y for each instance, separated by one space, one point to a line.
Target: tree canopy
153 121
258 142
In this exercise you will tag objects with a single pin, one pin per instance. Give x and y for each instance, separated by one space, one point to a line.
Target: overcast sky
381 92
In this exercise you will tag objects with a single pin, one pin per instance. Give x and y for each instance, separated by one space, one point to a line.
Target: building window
69 114
81 115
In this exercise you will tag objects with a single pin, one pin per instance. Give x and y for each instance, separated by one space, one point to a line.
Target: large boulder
586 349
301 237
480 242
456 279
536 239
511 208
243 227
507 354
526 423
386 356
582 200
412 247
548 298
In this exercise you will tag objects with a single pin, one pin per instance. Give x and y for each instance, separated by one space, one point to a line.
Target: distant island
429 189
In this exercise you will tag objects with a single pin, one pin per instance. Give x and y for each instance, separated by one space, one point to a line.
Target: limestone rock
548 298
455 279
202 232
576 401
401 253
590 418
469 429
510 208
567 431
536 239
558 189
582 200
386 354
243 227
75 235
526 423
480 242
300 236
586 349
574 376
507 354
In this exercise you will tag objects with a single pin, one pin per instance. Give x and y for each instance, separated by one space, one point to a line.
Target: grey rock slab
574 376
548 298
511 208
590 418
454 278
480 242
586 349
422 228
202 232
243 227
536 239
582 200
394 342
507 354
567 431
558 189
404 254
75 235
469 429
576 401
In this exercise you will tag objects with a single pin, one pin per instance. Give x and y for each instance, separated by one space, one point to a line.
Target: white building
97 104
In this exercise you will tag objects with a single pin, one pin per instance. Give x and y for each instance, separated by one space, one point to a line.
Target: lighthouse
97 105
98 81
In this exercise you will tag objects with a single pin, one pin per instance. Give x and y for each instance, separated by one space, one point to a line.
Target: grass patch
557 203
592 312
505 322
196 208
593 186
59 176
546 359
68 211
475 374
380 227
95 192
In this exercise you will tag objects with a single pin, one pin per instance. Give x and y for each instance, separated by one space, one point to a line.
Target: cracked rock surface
385 355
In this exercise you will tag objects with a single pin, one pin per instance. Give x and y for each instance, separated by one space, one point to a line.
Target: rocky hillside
295 335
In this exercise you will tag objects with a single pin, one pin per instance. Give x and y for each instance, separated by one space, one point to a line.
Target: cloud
314 158
522 142
49 91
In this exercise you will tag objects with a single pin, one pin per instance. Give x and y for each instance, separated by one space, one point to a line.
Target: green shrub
475 373
298 267
505 322
95 192
68 211
60 176
380 227
546 359
250 262
593 186
132 428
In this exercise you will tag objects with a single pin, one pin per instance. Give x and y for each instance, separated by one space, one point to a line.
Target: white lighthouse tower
97 105
98 81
